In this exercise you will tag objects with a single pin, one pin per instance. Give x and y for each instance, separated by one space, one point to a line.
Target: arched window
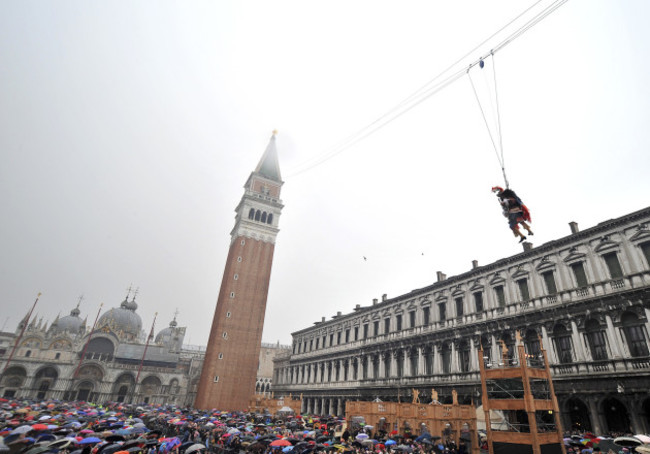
258 215
596 340
414 362
100 346
251 213
463 356
264 217
400 364
487 351
28 353
269 219
446 358
428 361
563 346
645 248
531 343
634 335
510 345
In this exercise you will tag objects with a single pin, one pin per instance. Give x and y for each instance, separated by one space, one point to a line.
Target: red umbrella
281 442
39 427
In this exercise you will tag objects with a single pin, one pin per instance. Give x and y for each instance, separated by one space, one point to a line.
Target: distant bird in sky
364 258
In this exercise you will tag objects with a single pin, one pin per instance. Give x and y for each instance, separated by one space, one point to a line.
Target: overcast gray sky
127 130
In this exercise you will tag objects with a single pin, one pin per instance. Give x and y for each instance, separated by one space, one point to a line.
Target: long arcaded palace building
586 297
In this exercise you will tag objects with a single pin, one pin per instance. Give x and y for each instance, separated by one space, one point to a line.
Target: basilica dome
70 323
122 319
166 335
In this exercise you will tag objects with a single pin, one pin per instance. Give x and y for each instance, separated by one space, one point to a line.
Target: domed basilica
117 361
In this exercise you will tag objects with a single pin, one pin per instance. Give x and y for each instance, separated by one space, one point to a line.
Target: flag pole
20 336
146 346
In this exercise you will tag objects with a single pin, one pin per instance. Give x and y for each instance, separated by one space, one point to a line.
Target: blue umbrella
287 449
390 442
46 437
90 440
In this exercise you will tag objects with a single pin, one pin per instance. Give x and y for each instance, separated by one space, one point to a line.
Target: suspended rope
498 148
429 89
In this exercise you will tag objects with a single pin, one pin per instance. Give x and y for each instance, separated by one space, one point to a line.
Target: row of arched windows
261 216
564 352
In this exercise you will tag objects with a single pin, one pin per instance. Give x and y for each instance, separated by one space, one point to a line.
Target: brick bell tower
232 355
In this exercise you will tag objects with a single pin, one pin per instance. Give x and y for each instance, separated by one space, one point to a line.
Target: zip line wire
498 150
430 88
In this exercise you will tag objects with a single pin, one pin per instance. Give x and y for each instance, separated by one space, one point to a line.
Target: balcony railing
512 308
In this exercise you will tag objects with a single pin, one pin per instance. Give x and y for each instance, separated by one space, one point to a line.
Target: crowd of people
29 427
35 427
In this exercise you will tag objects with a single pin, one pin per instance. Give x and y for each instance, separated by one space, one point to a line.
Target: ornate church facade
584 298
65 360
115 362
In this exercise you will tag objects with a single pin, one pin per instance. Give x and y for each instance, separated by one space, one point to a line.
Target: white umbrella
232 431
644 438
21 430
194 447
361 436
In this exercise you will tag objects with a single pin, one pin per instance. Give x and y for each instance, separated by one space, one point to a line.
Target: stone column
421 362
473 354
596 415
575 336
550 351
406 362
614 341
495 354
454 359
634 410
437 360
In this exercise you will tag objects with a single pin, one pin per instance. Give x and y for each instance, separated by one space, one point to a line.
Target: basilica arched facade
67 360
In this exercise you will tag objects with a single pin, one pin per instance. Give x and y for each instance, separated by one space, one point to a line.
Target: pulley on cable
513 208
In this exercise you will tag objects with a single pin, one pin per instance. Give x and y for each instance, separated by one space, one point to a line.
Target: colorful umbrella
90 440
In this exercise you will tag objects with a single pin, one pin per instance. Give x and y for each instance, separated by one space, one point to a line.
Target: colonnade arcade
597 337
